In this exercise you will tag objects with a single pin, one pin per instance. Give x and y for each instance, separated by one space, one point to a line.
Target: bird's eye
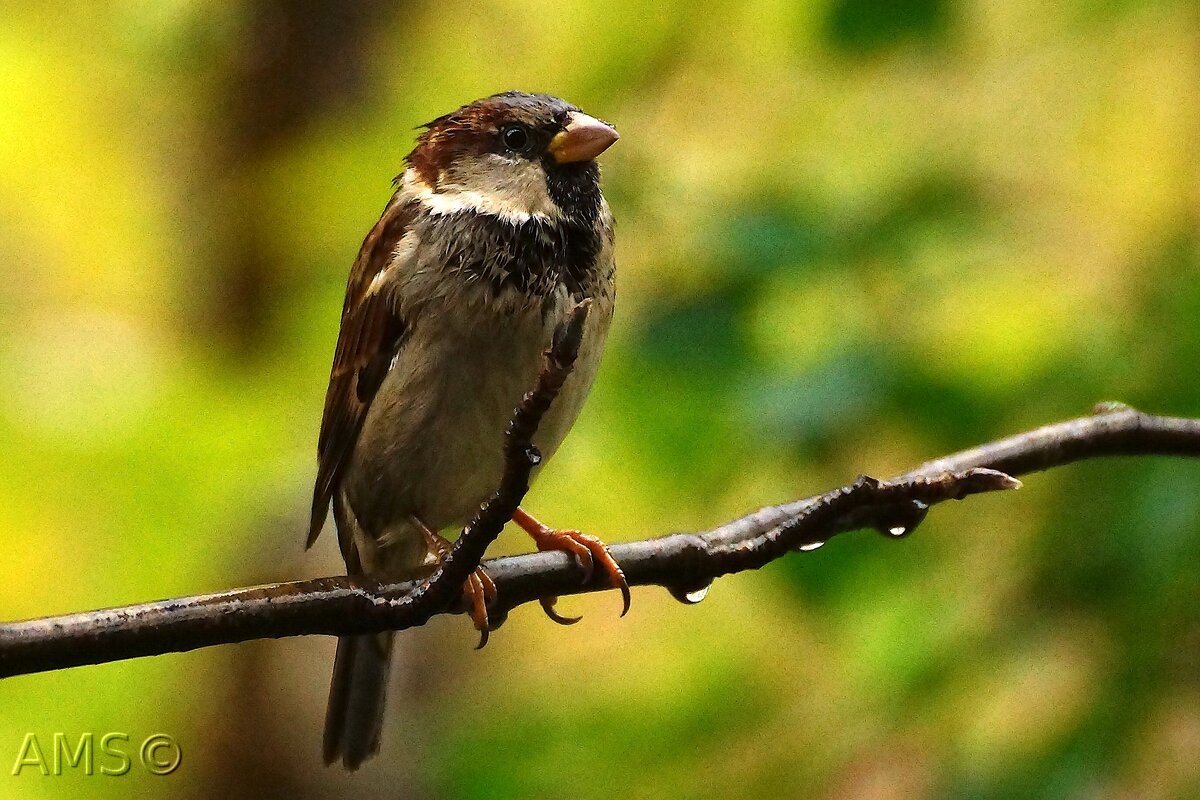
515 137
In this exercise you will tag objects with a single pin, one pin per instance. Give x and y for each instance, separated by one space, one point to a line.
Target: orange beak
582 139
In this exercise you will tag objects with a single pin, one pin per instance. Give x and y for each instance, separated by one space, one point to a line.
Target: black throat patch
532 257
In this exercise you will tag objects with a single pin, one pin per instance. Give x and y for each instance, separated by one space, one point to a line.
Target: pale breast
432 442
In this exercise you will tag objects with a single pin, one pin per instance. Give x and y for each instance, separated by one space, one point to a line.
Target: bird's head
514 154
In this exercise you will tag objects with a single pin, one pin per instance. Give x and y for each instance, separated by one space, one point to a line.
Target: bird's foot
479 590
587 550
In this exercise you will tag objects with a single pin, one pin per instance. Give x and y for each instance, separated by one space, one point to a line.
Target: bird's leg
587 550
479 589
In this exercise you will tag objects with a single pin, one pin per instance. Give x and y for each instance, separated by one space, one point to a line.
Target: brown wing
371 333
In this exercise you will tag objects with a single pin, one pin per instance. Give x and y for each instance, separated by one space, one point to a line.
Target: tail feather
357 693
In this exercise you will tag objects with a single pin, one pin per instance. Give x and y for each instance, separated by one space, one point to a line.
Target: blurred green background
852 235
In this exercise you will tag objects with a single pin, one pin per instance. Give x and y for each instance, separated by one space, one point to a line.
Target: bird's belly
432 443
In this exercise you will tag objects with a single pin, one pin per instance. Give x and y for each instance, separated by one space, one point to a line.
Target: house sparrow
496 229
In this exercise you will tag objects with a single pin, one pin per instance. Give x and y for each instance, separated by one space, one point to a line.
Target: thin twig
684 562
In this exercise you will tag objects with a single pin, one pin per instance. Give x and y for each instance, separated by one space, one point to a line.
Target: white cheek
453 201
512 188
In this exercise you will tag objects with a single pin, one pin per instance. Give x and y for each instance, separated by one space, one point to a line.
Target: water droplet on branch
690 596
904 520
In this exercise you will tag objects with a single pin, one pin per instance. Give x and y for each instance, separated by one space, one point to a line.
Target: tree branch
685 563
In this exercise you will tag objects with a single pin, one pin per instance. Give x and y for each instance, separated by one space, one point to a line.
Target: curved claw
626 599
480 590
598 552
587 551
548 607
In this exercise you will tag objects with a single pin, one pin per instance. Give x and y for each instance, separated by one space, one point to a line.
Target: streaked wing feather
371 333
